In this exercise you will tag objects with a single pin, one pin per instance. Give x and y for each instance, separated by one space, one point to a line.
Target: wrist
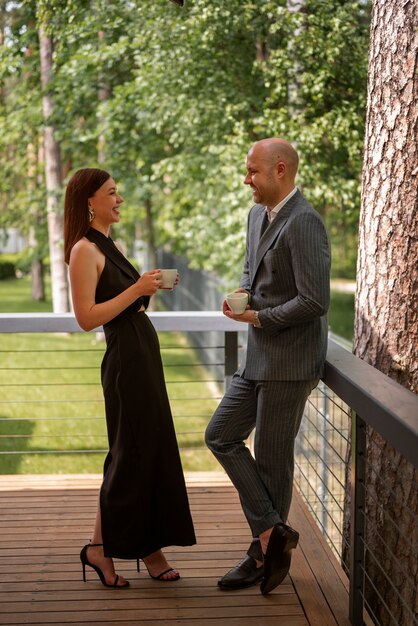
256 320
140 291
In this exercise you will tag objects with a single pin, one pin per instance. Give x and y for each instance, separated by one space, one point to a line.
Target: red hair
81 186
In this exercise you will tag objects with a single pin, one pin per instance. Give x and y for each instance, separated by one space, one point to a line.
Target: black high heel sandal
160 576
84 561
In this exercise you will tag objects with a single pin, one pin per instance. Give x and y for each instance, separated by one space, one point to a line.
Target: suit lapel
267 239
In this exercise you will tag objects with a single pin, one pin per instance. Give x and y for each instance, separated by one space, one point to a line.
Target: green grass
341 314
51 396
15 297
51 399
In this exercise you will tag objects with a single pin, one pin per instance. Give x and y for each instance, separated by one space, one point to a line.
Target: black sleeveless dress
143 499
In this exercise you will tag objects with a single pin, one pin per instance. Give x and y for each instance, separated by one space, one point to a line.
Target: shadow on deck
45 520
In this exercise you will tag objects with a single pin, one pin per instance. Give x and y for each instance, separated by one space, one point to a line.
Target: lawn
51 397
341 314
15 297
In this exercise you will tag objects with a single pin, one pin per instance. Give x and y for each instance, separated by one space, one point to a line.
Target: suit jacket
286 272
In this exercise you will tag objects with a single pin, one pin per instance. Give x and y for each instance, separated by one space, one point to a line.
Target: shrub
7 266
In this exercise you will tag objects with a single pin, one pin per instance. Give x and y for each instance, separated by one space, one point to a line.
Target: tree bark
386 319
3 13
150 238
37 266
104 93
387 315
59 277
293 85
37 280
149 220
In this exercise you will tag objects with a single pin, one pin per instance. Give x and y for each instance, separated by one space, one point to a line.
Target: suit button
262 294
273 271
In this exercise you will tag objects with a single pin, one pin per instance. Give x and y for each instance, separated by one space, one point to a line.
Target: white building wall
11 240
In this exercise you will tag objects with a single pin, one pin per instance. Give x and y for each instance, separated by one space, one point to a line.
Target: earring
91 215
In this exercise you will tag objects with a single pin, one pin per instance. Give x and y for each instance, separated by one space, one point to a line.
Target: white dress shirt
272 214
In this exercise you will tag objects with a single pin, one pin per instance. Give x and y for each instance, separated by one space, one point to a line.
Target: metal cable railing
38 419
51 402
320 453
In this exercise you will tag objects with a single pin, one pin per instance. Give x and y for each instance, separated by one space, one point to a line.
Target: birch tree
59 277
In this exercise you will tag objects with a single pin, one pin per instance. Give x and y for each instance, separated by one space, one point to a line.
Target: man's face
263 178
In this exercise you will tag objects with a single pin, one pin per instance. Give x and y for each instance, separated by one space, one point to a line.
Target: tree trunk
59 277
3 12
294 101
386 323
293 85
151 247
37 280
37 266
386 311
152 250
103 95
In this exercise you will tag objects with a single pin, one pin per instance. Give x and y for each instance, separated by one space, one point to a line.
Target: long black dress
143 499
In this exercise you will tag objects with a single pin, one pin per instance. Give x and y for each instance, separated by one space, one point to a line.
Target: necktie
264 224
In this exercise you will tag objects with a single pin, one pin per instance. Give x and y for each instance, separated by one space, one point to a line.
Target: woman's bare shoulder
85 249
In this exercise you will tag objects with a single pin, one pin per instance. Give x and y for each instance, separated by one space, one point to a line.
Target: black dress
143 499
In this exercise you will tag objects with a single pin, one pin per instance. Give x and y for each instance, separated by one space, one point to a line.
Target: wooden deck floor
44 520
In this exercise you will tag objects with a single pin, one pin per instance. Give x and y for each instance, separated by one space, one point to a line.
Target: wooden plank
148 603
57 553
196 583
153 620
323 568
46 519
181 613
232 621
205 537
203 479
188 588
310 595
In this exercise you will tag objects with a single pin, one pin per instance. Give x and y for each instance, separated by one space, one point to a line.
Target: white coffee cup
169 277
237 301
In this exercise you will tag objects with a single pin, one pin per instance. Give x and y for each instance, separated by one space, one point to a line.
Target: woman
143 503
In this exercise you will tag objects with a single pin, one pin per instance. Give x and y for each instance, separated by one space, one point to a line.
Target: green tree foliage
22 189
245 61
187 92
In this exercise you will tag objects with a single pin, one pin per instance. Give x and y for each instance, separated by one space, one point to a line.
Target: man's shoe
245 574
277 558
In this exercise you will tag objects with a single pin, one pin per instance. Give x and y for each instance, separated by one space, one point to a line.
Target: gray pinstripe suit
286 273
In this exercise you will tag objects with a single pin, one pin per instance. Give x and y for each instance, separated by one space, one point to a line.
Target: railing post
358 520
323 452
231 356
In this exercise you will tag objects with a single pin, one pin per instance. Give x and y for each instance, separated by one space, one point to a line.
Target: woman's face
105 204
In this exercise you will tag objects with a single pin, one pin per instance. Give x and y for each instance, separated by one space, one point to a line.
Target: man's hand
247 316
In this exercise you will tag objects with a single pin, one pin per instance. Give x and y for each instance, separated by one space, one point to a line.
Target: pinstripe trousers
264 482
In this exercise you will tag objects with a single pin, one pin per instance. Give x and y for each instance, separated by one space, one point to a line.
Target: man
286 275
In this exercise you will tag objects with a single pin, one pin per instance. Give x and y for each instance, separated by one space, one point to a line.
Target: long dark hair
81 186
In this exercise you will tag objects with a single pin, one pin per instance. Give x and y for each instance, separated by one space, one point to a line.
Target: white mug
169 277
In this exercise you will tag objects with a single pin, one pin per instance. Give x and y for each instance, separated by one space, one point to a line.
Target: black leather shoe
278 557
245 574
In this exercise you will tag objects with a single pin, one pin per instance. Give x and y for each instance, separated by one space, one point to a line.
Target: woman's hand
149 283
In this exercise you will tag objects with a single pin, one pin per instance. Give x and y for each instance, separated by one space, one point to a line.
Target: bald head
274 150
272 165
